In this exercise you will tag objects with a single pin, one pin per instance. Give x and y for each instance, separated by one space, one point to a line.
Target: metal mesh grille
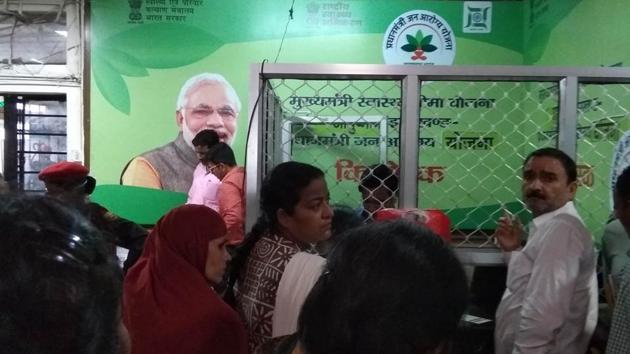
478 134
342 127
472 138
603 111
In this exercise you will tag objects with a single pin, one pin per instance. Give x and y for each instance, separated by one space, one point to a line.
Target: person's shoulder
140 172
239 171
158 150
235 176
569 225
305 259
614 230
568 220
95 207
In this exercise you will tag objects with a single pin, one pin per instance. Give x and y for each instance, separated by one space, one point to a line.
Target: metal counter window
458 135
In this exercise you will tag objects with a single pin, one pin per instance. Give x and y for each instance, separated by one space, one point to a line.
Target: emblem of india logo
419 37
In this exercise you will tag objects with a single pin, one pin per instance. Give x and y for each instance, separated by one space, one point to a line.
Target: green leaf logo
429 48
426 40
419 36
419 44
409 48
412 40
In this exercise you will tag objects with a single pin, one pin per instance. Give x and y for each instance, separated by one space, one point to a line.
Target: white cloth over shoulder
296 283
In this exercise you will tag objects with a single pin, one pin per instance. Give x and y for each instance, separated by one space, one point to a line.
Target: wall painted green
138 68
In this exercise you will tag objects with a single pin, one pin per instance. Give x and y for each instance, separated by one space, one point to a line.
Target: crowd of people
308 278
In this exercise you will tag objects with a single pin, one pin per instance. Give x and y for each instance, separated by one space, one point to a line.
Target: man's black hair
567 162
377 175
220 153
207 137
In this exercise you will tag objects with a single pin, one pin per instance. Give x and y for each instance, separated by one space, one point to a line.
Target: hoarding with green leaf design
143 51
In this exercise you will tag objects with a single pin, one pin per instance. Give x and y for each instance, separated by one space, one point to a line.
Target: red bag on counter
433 219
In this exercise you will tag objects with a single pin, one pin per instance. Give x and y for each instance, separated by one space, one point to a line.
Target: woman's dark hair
220 153
60 286
280 190
390 287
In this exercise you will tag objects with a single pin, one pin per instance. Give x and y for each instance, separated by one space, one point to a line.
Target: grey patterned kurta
258 285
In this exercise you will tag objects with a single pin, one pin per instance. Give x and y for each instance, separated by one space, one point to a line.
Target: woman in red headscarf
168 303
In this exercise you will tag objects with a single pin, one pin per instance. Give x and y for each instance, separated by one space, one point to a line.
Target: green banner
473 136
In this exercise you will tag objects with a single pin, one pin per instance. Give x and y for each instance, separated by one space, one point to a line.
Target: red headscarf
168 306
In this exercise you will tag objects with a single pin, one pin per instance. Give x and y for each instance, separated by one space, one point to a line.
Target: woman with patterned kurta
295 215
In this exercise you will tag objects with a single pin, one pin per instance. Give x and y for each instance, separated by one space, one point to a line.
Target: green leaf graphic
164 45
412 40
426 40
429 48
408 48
110 83
124 63
419 36
537 43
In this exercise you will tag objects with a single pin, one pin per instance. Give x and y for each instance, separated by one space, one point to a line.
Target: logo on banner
419 37
134 7
477 16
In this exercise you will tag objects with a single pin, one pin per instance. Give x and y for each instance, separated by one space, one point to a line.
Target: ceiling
32 31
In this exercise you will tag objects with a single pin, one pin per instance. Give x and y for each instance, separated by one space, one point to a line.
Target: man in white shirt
550 303
205 185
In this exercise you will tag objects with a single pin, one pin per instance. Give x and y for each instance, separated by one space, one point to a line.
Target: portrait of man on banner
205 101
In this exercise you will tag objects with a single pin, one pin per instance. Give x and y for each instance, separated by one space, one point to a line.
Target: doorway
35 136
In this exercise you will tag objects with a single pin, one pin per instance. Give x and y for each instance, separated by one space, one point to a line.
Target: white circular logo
419 37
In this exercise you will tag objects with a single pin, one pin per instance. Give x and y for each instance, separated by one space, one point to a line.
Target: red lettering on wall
347 170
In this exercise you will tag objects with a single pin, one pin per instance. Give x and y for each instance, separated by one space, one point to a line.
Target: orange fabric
232 204
141 173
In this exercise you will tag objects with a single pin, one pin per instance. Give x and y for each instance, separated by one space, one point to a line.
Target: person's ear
90 184
179 118
284 219
573 189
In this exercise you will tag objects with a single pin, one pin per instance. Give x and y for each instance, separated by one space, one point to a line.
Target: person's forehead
316 189
209 94
544 164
